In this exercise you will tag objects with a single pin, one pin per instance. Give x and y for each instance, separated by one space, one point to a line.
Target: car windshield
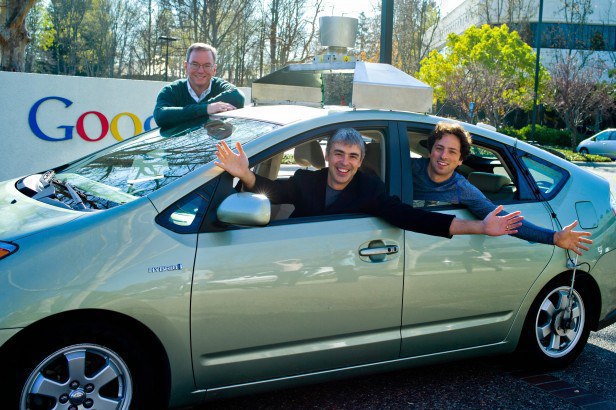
152 160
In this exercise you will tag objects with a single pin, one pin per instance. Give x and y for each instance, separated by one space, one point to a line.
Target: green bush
512 132
544 137
547 136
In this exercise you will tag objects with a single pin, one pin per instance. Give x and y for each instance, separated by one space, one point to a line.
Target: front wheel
584 151
91 367
86 375
556 327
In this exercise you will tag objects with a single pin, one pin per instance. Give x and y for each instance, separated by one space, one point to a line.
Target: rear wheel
557 326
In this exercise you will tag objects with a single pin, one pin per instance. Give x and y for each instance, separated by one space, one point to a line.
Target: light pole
387 23
168 39
537 66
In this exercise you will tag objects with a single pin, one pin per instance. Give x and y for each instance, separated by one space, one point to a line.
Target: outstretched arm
573 240
492 224
235 164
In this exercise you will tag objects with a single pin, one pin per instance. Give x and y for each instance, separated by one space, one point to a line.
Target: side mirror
245 208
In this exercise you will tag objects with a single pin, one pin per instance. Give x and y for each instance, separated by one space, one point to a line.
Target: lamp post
537 66
387 23
167 39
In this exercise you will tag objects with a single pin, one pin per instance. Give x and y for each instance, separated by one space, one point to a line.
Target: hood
22 216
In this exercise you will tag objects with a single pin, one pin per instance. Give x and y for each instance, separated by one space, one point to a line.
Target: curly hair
463 136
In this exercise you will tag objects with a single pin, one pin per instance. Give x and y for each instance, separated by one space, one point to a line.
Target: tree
368 31
291 30
489 66
415 24
14 36
578 93
515 13
42 34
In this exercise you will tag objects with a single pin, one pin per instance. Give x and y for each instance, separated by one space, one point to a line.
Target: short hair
347 136
463 136
202 47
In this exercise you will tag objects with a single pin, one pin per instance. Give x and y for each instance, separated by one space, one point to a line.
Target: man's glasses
196 66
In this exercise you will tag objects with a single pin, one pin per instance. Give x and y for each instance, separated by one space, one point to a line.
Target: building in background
585 27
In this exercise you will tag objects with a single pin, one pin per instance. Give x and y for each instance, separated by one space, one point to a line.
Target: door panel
295 298
465 291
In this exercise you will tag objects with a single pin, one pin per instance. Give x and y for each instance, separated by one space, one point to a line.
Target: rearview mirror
245 208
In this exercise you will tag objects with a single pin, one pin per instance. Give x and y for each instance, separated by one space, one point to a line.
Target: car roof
277 114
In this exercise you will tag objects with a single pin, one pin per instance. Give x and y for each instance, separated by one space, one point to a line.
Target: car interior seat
372 160
306 155
495 187
309 154
269 168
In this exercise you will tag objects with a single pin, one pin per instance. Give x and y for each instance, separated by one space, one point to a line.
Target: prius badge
156 269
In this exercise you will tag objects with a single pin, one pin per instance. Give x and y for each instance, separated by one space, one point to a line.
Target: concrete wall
48 120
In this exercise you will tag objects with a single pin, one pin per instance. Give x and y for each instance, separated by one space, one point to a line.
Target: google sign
105 124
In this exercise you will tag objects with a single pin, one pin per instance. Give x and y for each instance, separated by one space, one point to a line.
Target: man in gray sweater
200 94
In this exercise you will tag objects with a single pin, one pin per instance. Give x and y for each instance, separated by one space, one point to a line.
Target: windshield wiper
76 195
79 205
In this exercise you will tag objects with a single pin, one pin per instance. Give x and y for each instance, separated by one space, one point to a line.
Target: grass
576 156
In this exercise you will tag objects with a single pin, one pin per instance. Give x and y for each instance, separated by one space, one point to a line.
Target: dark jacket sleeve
280 191
404 216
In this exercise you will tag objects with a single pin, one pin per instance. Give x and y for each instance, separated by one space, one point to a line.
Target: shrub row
543 135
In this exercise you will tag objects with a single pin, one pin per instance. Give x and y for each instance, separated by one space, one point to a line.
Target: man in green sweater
198 96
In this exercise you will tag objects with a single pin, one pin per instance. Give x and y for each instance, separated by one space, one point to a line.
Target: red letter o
82 132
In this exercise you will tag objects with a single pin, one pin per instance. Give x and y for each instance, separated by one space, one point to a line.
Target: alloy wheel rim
558 328
77 377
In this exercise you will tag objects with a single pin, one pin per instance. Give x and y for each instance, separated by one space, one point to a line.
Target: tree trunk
14 37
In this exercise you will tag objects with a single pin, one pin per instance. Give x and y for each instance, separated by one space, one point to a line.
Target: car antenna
570 301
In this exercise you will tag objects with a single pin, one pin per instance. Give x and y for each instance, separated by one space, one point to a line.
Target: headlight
6 249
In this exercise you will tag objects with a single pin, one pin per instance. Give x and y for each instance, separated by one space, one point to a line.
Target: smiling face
445 157
200 67
344 160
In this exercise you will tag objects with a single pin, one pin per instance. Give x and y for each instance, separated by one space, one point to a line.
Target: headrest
310 154
487 182
372 160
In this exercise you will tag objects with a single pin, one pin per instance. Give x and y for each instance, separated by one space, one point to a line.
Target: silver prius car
602 143
140 276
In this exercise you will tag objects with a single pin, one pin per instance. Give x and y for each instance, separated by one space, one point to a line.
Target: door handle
380 250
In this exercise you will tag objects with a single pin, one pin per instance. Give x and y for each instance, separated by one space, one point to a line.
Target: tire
584 151
552 337
93 370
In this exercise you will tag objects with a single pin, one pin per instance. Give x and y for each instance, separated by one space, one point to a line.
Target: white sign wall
49 120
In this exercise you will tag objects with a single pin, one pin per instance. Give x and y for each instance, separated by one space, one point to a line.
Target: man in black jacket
342 188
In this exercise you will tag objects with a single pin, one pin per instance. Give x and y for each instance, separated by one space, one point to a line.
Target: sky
352 8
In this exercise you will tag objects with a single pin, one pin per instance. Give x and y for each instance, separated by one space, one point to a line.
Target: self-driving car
602 143
142 276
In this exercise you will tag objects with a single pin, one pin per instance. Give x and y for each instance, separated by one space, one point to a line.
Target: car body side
150 279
